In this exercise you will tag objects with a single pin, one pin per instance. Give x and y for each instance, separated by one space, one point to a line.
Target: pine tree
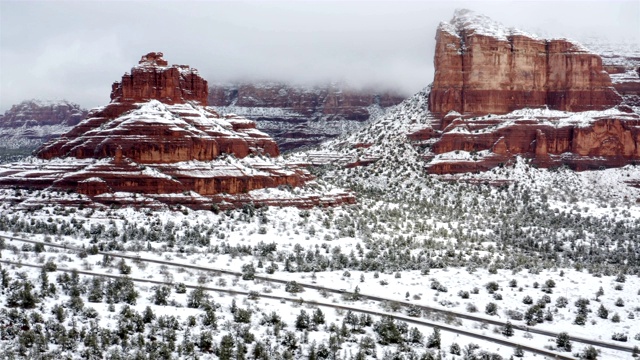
148 316
96 292
318 317
44 283
302 321
226 348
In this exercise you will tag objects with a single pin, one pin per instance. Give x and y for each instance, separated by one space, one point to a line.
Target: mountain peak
469 23
153 59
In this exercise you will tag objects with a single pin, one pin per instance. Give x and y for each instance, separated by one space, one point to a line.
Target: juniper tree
434 340
161 295
302 320
248 272
318 317
603 312
491 309
563 342
508 329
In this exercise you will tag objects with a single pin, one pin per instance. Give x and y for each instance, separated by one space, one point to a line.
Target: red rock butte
155 138
482 67
196 132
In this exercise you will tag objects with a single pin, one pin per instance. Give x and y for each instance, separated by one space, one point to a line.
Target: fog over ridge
76 50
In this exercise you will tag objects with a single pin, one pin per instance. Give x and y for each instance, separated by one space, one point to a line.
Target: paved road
413 320
460 315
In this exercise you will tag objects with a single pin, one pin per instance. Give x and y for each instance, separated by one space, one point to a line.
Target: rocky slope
483 67
298 116
155 143
33 122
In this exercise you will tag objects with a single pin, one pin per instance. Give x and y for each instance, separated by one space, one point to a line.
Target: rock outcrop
31 123
481 67
298 116
153 79
555 103
156 144
161 133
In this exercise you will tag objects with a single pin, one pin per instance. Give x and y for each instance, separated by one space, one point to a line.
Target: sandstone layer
160 133
582 141
482 67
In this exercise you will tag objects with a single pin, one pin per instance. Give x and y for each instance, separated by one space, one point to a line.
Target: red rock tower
152 78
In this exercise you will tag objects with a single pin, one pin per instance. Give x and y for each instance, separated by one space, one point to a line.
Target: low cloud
75 50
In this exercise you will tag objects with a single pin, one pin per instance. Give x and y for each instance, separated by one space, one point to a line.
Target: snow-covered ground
577 229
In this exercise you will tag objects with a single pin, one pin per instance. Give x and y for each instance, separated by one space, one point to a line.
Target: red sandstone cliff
512 95
549 138
482 67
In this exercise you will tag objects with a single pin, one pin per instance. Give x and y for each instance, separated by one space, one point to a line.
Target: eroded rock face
301 116
481 68
33 122
155 142
582 141
153 79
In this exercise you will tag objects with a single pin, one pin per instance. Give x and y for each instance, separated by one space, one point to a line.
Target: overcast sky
75 50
